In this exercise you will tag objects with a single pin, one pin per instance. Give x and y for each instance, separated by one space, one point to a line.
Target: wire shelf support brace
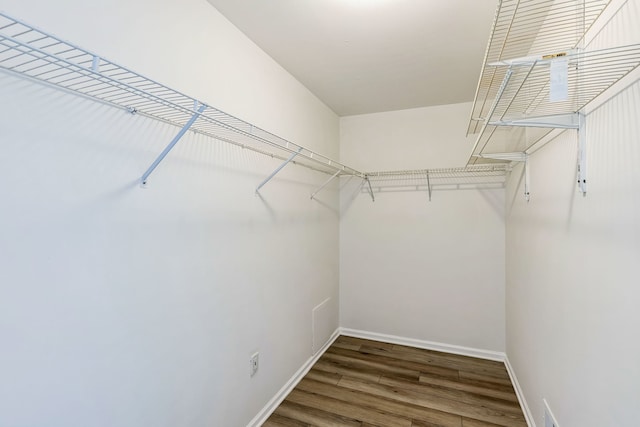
324 184
366 179
174 141
278 169
582 155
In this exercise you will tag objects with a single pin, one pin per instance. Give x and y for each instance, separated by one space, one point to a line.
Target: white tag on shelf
558 78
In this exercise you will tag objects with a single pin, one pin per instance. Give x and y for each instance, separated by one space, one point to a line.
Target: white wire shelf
37 55
428 180
444 173
524 28
529 37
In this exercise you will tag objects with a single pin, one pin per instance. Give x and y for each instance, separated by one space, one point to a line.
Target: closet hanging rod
37 55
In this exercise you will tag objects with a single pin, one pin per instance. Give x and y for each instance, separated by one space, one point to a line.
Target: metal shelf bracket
366 178
556 121
324 185
521 157
174 141
582 155
527 179
278 169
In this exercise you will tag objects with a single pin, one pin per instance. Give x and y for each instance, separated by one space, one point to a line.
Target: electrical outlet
253 363
549 419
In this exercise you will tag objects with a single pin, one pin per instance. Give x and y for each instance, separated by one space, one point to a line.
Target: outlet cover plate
254 363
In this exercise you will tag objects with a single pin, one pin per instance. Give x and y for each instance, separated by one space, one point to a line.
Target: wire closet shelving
534 44
33 54
489 176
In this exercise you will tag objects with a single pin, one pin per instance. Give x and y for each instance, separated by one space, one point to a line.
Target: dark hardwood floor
368 383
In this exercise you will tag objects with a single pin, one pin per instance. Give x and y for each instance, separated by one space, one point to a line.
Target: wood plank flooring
368 383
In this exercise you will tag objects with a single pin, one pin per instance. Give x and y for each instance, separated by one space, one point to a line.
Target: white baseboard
428 345
271 406
523 402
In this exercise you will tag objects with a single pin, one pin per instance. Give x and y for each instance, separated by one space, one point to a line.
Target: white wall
412 268
122 306
572 281
418 138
